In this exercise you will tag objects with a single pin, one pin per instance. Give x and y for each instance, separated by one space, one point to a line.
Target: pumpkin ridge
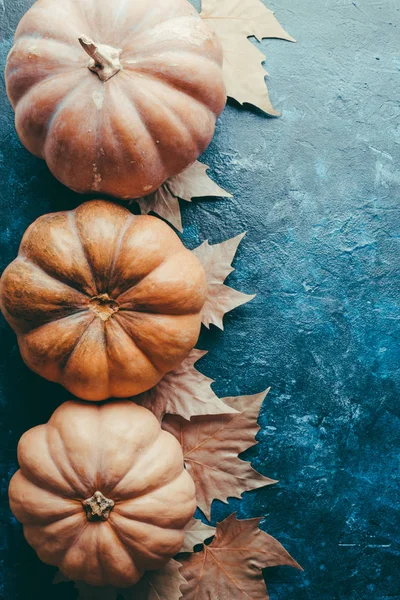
47 485
188 18
146 492
180 123
66 461
32 37
41 551
166 365
146 447
43 81
76 540
145 126
120 501
102 349
64 361
117 252
114 532
115 321
139 281
120 14
179 311
99 576
49 323
133 341
193 136
97 176
144 56
61 105
26 124
23 333
154 313
195 93
75 228
115 130
72 11
142 547
121 543
26 517
143 22
53 275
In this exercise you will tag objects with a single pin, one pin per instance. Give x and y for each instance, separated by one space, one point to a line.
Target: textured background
317 191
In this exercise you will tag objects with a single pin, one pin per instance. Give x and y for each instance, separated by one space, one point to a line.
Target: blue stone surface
318 193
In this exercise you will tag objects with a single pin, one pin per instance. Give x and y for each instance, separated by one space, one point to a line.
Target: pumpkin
103 301
102 492
116 96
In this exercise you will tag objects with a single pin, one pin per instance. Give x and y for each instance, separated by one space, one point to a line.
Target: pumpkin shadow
26 400
59 197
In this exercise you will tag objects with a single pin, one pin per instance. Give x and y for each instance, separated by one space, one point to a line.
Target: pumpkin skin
103 301
118 454
150 118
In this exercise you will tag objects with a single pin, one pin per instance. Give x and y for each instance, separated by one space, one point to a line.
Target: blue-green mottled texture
318 193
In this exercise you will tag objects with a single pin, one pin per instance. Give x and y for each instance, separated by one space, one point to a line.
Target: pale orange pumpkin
139 110
103 301
102 492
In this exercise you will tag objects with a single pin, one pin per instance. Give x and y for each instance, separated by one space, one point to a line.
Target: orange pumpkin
139 109
102 492
103 301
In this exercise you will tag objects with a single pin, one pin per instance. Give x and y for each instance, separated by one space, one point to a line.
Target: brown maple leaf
230 568
234 21
216 261
193 182
196 532
211 445
164 584
184 391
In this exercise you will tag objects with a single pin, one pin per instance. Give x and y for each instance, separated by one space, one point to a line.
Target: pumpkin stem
103 306
104 60
98 507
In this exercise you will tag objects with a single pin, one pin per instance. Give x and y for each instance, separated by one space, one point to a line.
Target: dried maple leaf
193 182
196 532
216 260
184 391
164 584
230 568
234 21
211 445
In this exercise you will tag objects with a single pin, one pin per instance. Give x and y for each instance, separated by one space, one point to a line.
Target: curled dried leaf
230 568
193 182
196 532
184 391
217 263
234 22
211 445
